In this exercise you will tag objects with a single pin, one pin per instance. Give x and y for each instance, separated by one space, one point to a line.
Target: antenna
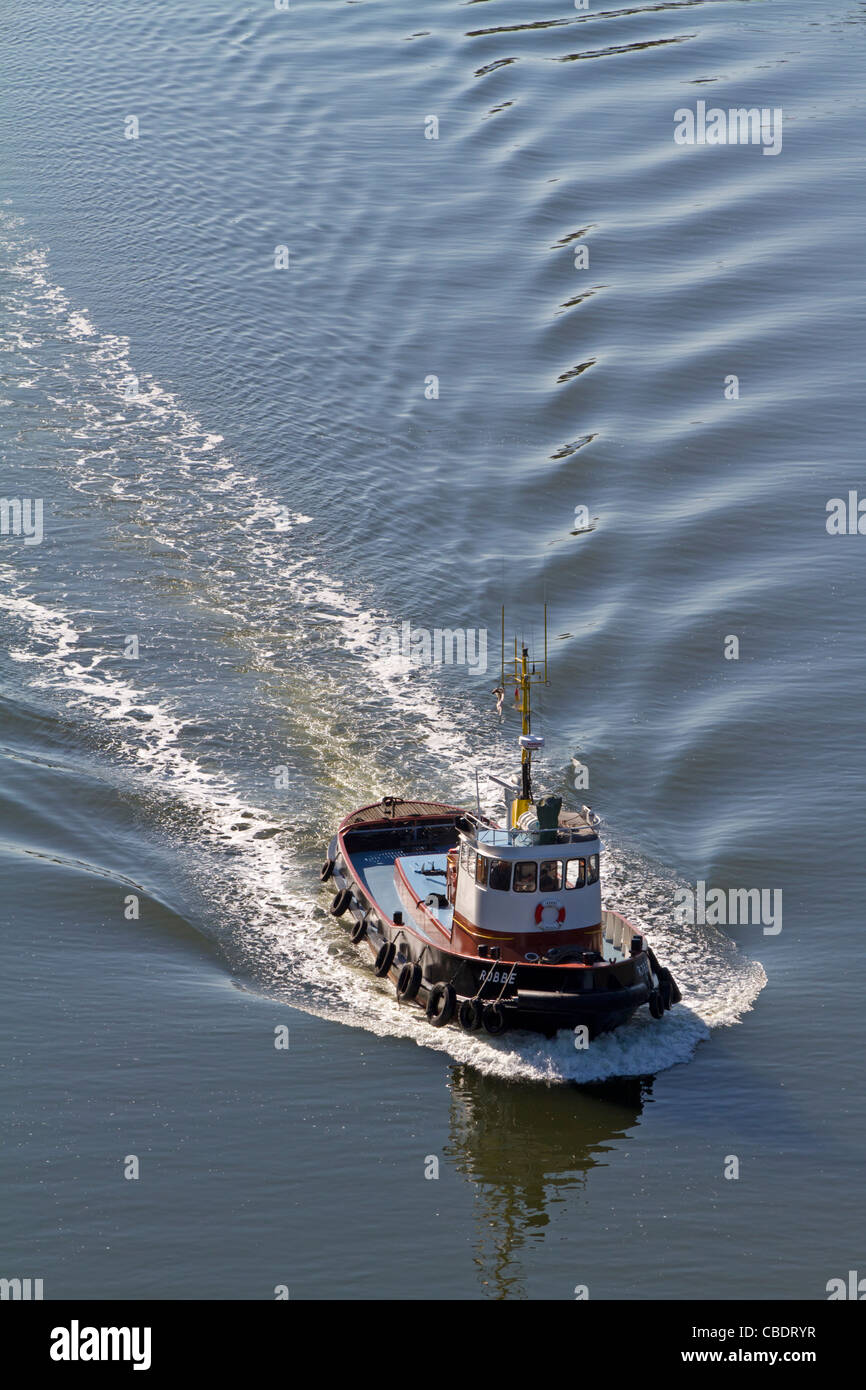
545 642
502 671
509 798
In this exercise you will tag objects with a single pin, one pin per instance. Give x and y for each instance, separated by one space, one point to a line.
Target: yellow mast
523 670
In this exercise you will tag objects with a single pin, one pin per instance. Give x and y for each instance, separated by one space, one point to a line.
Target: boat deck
375 867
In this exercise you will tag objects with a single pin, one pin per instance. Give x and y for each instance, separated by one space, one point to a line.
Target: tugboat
493 927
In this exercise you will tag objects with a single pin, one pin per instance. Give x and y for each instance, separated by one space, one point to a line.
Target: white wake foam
294 949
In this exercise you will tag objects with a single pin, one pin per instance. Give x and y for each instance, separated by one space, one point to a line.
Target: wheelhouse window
467 860
524 876
550 876
482 864
500 874
575 873
592 869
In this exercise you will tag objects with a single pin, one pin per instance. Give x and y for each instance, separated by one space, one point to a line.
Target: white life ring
539 914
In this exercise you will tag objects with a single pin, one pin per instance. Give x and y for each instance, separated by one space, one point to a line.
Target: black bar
634 1337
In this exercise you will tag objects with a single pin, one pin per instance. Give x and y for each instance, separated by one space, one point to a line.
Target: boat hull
470 989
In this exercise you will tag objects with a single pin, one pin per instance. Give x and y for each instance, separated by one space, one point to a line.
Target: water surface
281 488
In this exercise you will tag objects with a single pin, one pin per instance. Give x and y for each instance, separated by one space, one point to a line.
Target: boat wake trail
260 659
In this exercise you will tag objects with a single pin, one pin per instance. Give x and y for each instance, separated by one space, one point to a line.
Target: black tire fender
666 988
358 932
494 1020
326 870
409 981
469 1015
656 1007
441 1002
340 902
385 959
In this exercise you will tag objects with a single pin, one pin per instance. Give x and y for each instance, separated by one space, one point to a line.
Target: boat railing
496 835
493 834
617 930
